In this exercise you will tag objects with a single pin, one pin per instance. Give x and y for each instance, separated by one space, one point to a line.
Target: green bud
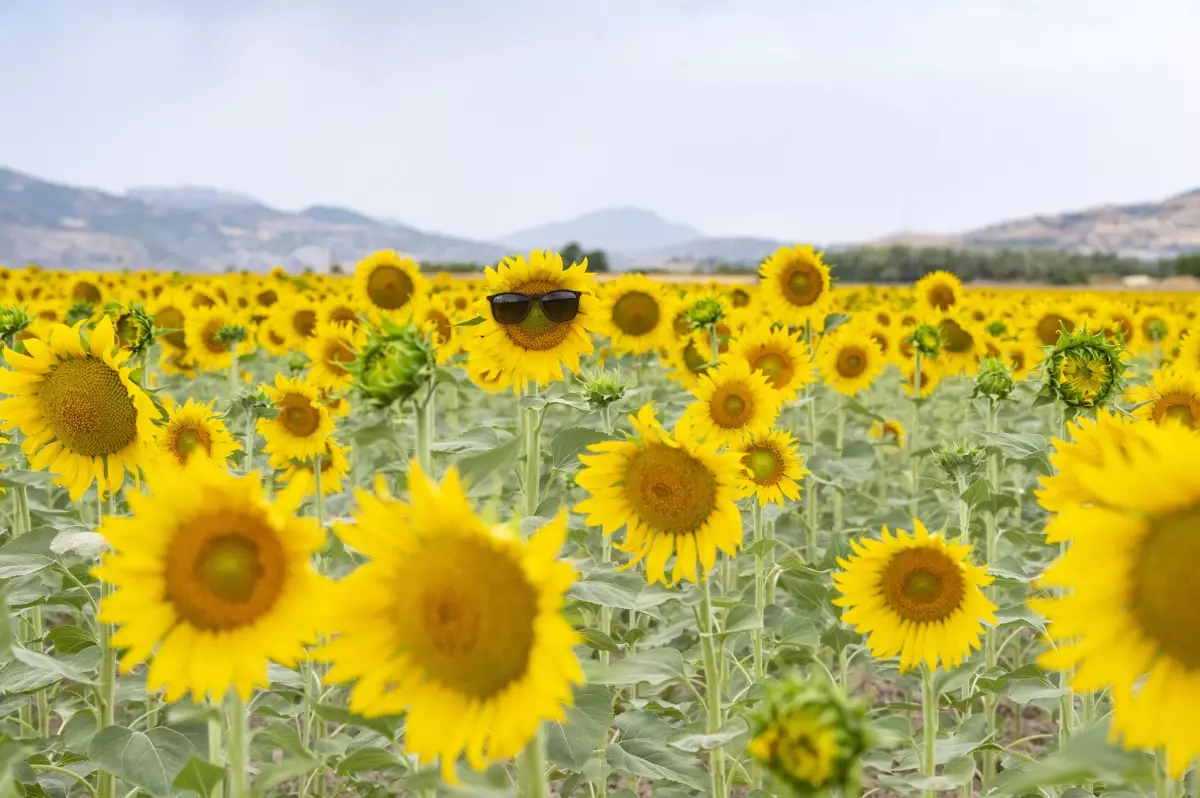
80 311
230 334
961 461
1082 370
928 339
994 379
134 327
297 362
393 365
13 321
810 736
997 328
602 387
705 314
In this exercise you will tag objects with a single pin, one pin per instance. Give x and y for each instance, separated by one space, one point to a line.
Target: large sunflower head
332 350
1171 397
82 416
849 360
386 283
193 430
779 355
731 401
302 424
633 312
454 618
674 496
536 349
916 596
794 285
939 291
772 466
210 582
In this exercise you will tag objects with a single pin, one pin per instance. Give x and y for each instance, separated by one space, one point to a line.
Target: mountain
613 230
706 252
193 229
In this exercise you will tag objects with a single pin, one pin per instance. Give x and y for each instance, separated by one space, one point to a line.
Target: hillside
196 230
615 230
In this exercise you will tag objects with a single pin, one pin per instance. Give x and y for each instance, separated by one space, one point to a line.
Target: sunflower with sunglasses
536 318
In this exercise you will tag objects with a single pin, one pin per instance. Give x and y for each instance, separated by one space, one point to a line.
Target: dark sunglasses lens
510 308
560 305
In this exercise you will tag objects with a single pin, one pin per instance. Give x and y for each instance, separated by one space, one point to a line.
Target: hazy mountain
614 230
197 230
706 251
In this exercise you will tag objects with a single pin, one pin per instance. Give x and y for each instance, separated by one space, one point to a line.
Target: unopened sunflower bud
928 339
393 365
80 311
252 400
997 328
602 387
230 334
810 736
961 461
1082 370
134 326
705 314
297 363
13 321
994 379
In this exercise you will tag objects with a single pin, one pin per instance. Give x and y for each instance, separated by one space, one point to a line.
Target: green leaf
199 777
6 629
654 667
16 479
78 540
26 554
742 618
368 759
476 468
611 589
12 753
598 640
471 322
833 321
29 671
760 548
70 639
1086 757
957 772
650 759
150 760
78 732
273 775
570 442
385 727
278 734
692 742
569 745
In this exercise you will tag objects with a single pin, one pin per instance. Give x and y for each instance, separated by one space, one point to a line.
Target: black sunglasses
559 306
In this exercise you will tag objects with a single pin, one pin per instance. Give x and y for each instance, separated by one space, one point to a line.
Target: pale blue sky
800 120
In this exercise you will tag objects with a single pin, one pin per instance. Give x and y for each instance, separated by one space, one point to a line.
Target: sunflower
915 595
387 283
1047 320
962 345
82 416
1022 358
303 425
772 466
338 311
193 428
537 349
435 318
1127 613
730 401
633 312
931 375
939 291
297 321
170 316
209 350
849 360
1172 396
794 286
272 335
210 583
672 495
331 348
782 357
454 621
889 431
301 474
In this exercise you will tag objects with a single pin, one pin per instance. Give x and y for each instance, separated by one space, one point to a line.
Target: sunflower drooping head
393 364
601 387
135 327
811 736
13 321
889 431
1082 370
536 318
994 379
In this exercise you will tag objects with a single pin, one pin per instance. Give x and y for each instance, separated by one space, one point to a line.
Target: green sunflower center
1165 594
764 465
670 490
636 313
389 287
88 406
537 332
923 585
775 367
188 439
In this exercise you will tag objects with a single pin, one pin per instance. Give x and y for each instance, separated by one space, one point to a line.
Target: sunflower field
532 532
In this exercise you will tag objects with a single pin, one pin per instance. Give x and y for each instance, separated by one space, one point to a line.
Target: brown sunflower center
731 406
389 287
85 292
267 298
468 622
298 415
189 438
923 585
343 315
941 296
764 464
210 340
1177 406
1049 325
958 340
802 284
304 321
670 490
538 332
443 329
1165 594
851 362
337 354
88 406
224 571
636 313
776 367
171 318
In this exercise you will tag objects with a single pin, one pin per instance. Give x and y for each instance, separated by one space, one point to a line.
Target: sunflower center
128 333
941 297
1181 407
86 292
470 624
923 585
337 354
538 332
267 298
693 359
775 367
343 315
1048 328
636 313
298 415
763 463
1165 595
851 362
209 336
188 439
731 406
443 329
958 340
88 406
304 322
669 489
224 571
172 319
389 287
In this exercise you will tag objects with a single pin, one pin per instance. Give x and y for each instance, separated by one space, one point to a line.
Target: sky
811 121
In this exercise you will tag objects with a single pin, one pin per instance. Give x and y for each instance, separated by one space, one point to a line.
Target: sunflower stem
760 590
531 433
216 747
606 553
23 524
238 746
714 340
107 685
840 443
914 432
425 424
810 503
769 532
991 544
712 684
531 767
929 719
233 369
251 420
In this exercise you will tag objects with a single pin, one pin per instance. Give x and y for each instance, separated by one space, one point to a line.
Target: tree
572 253
1188 264
597 261
336 268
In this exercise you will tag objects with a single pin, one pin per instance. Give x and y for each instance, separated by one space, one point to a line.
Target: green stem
712 685
760 590
715 341
810 500
531 768
238 746
840 443
929 717
106 688
991 546
425 424
64 772
533 457
22 524
914 462
769 533
251 436
216 747
234 377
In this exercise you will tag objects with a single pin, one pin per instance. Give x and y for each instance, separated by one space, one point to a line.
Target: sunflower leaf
654 667
150 760
199 777
570 744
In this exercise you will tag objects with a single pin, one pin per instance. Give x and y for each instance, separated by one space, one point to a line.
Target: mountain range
192 228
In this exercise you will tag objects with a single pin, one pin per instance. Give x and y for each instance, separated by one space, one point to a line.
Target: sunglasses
558 306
